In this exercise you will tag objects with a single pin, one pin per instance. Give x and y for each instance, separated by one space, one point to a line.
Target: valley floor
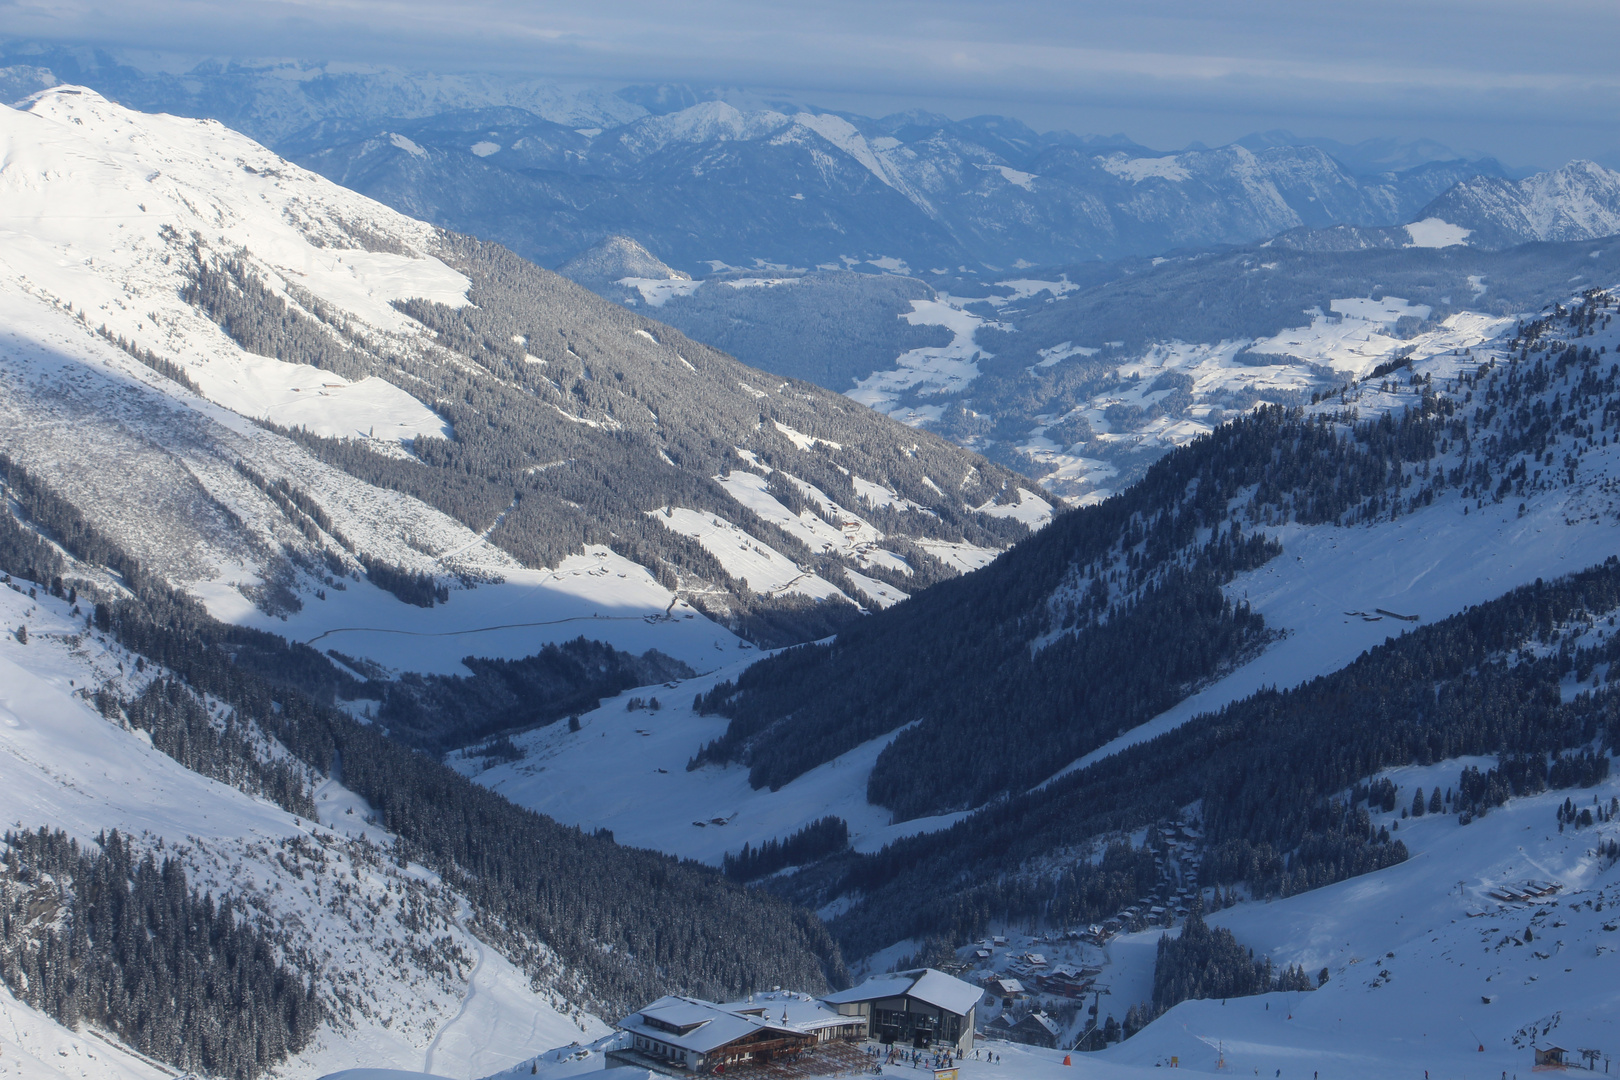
1412 953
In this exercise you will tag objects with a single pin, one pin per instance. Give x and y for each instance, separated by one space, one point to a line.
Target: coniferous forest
112 937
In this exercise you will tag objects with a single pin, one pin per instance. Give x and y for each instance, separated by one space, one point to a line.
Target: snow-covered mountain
224 359
550 169
1400 564
1580 201
715 185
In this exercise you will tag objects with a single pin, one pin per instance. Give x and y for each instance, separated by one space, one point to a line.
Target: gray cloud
1533 83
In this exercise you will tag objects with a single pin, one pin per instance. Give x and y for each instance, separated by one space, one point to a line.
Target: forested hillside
605 927
1275 777
1103 620
1069 639
573 418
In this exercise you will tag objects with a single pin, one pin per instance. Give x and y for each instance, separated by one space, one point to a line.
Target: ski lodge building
695 1036
688 1036
915 1008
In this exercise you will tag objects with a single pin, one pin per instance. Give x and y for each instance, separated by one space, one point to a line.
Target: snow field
961 556
137 183
626 771
1031 509
597 594
655 292
766 570
929 370
1432 232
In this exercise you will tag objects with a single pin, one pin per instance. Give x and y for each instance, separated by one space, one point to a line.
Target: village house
1036 1029
1007 989
913 1008
1066 980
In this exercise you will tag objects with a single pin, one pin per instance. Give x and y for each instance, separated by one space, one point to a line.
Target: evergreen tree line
822 837
182 727
575 427
115 939
1280 776
418 588
437 713
1209 963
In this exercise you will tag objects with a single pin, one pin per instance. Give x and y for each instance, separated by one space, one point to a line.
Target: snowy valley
415 659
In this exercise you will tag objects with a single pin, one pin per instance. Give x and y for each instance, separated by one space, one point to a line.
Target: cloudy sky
1534 82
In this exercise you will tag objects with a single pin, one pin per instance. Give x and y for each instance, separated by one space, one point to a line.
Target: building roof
678 1012
802 1012
709 1026
926 985
704 1026
879 986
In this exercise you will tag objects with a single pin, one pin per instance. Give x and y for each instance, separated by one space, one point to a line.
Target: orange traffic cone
1066 1060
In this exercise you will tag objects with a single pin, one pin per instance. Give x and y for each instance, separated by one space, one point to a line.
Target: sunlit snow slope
97 206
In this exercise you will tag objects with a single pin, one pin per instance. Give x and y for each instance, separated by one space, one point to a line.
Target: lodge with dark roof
914 1008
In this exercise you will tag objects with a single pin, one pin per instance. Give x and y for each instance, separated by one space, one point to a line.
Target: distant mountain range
712 186
704 184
